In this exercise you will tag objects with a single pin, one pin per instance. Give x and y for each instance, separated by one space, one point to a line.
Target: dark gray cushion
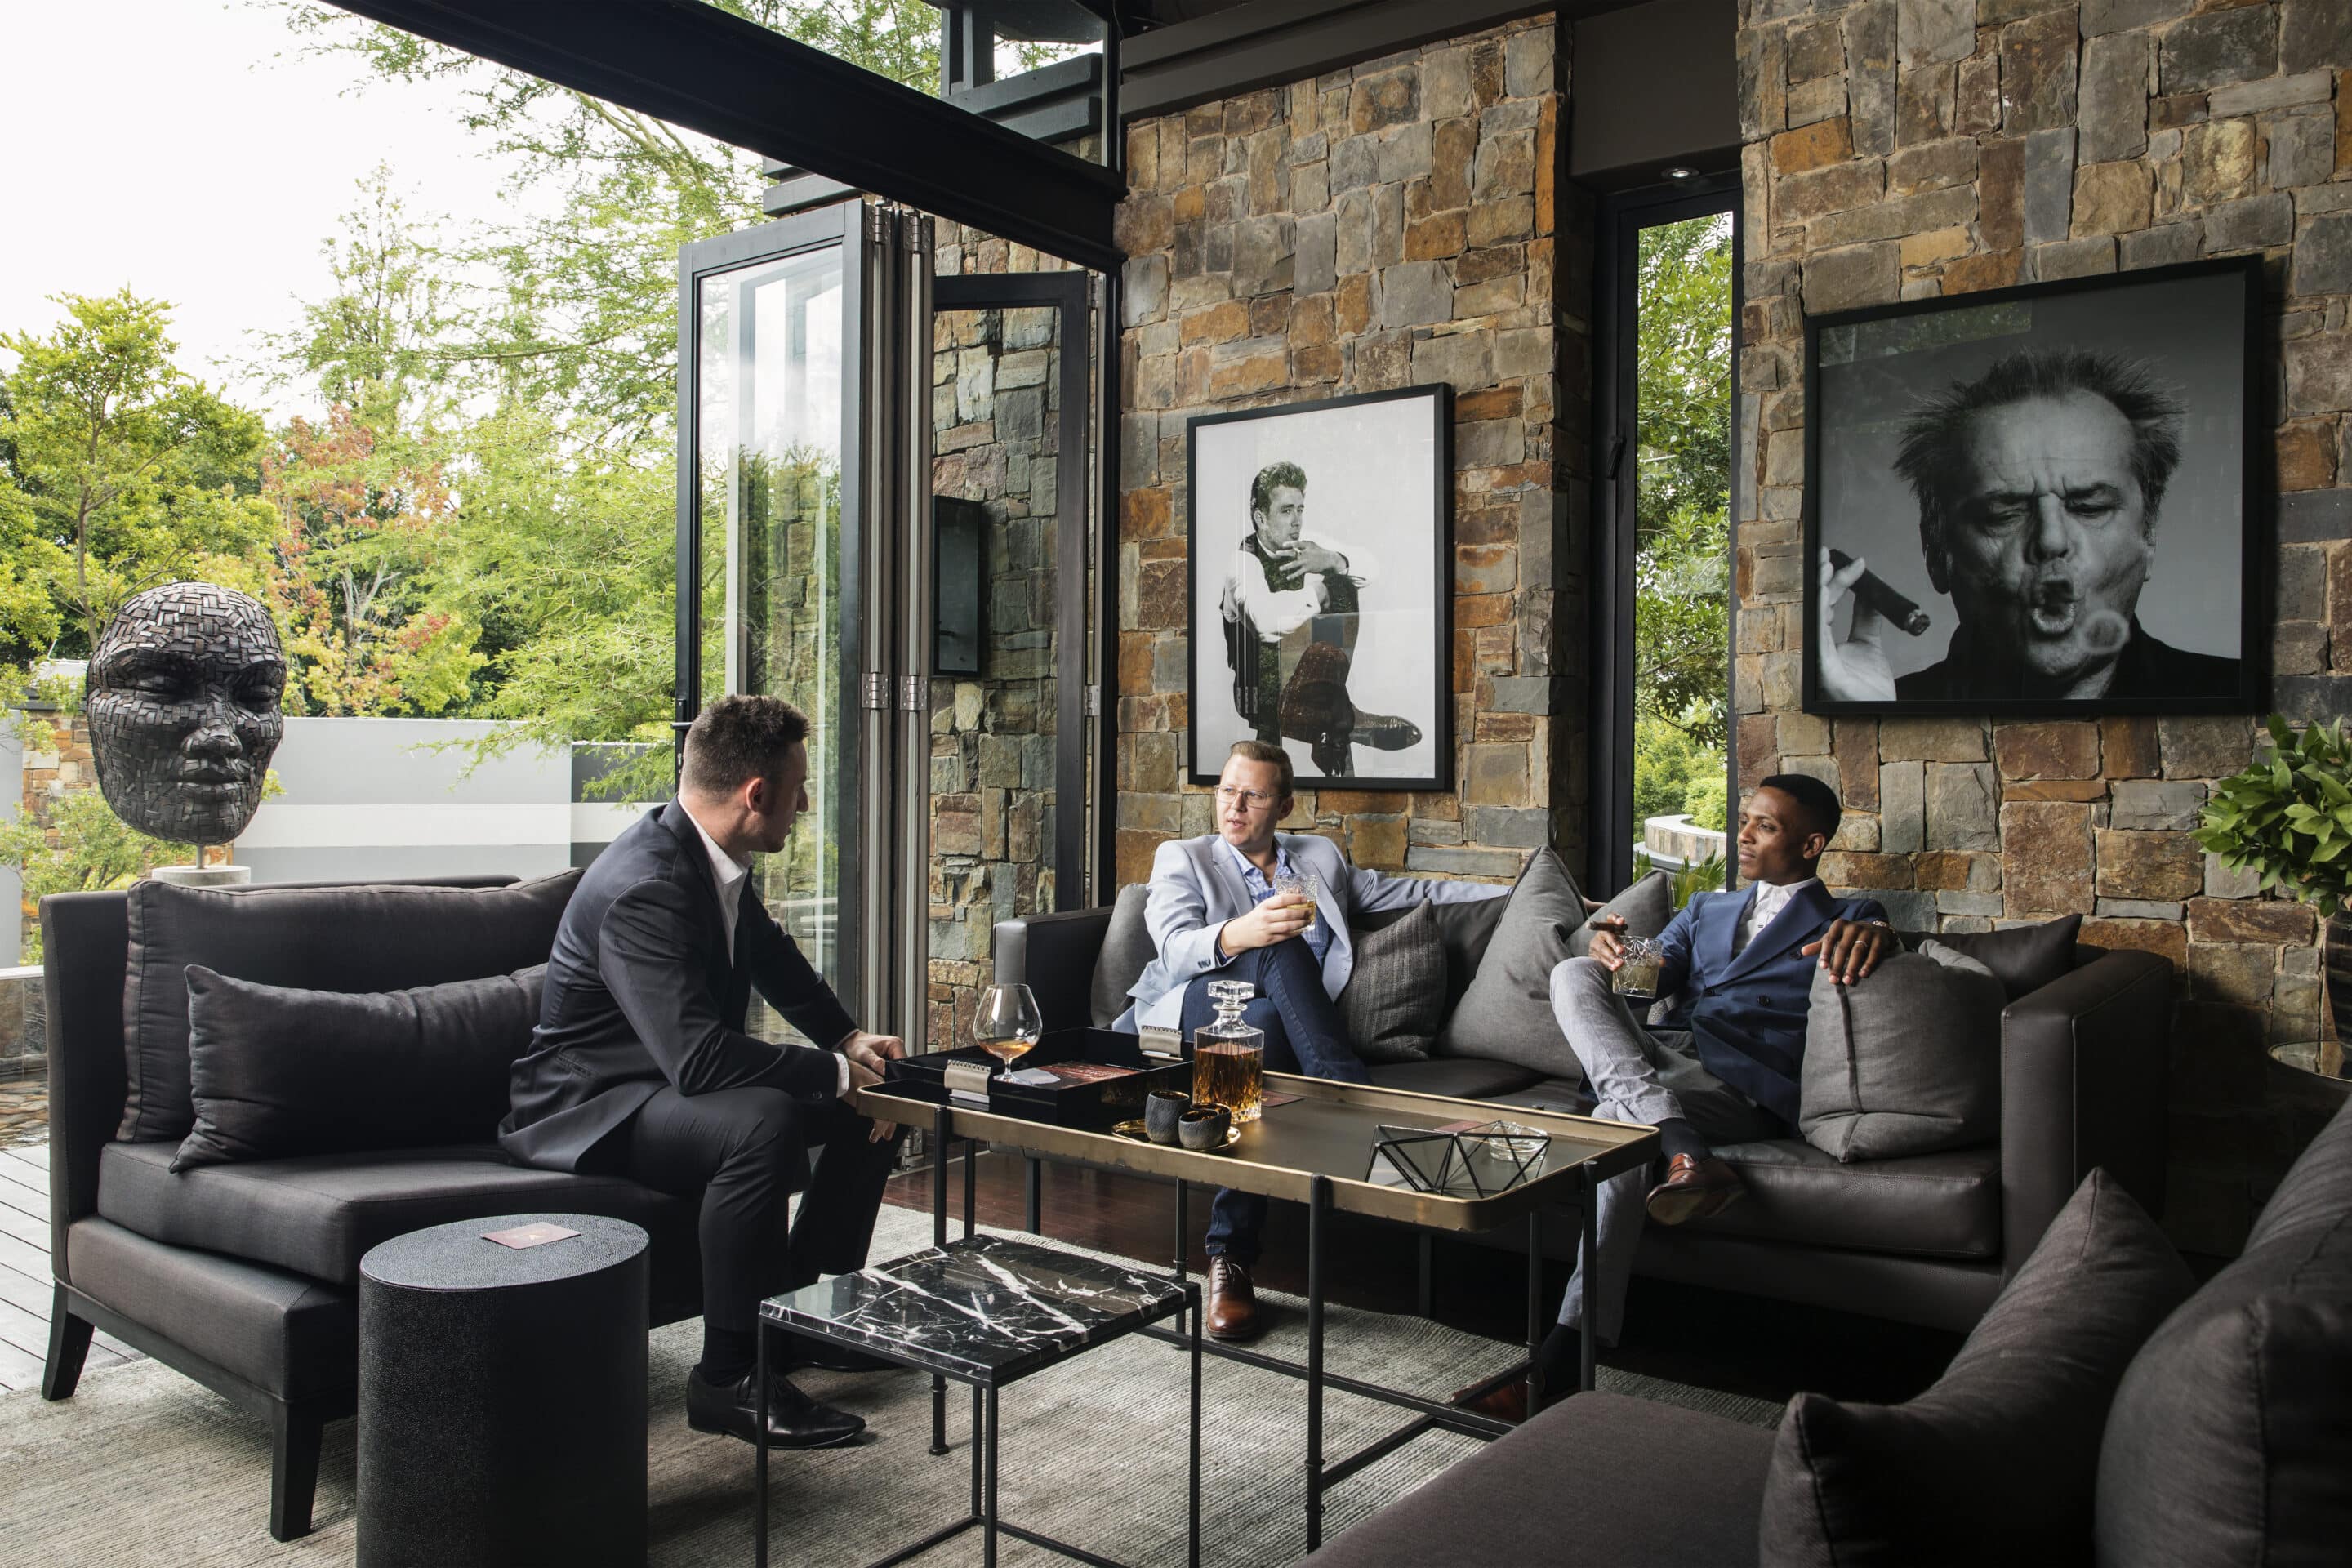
2231 1440
1395 997
1946 1205
278 1071
1645 908
1995 1463
366 937
2026 958
1466 930
318 1215
1462 1077
1506 1015
1904 1062
1601 1480
1125 948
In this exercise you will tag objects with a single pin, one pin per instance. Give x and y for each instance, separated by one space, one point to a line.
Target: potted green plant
2289 817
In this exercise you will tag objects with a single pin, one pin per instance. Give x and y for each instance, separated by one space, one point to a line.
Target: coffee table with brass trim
1314 1149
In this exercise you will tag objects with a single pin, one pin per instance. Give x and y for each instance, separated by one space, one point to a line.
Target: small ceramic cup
1162 1110
1206 1129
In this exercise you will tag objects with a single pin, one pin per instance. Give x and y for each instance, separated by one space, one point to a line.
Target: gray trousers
1636 1074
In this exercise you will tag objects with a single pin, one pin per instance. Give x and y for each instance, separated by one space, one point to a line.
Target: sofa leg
294 1442
68 1348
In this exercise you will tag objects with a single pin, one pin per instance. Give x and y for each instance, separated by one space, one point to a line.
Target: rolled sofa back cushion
276 1071
1906 1061
362 937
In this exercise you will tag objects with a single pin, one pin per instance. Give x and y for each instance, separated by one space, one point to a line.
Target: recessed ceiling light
1681 172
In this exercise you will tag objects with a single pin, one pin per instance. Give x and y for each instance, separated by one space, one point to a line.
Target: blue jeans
1303 1034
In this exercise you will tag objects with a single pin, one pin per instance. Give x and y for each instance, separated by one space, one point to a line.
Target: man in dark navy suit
1722 1068
640 1063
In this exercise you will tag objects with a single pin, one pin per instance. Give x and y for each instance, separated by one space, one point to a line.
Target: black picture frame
2204 358
959 585
1395 451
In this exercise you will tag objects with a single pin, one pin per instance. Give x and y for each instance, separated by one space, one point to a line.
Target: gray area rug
143 1467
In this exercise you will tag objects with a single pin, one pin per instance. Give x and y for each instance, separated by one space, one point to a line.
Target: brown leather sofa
1925 1239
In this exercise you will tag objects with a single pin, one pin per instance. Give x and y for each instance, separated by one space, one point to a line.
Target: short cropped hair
1271 478
1264 751
1934 459
1814 798
737 738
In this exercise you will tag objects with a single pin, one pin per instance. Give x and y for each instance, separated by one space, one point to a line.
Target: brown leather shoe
1695 1189
1233 1305
1507 1403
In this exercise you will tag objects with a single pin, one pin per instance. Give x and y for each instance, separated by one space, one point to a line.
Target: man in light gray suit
1214 914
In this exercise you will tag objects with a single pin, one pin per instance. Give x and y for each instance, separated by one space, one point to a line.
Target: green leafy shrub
2289 817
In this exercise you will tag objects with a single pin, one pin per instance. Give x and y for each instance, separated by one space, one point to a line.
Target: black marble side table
984 1311
502 1397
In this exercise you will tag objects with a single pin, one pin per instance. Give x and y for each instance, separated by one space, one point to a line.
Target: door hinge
1094 701
912 695
915 230
877 690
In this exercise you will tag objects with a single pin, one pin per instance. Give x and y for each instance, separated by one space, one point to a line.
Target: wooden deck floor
24 1282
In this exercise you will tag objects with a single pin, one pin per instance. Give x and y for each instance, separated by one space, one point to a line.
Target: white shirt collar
724 868
1771 898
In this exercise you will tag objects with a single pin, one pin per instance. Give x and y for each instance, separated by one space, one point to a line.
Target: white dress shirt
729 873
1770 899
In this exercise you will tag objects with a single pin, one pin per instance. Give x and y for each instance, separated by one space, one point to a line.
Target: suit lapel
1804 913
1718 921
721 973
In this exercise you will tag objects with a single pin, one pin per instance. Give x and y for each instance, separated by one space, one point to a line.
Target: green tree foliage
76 845
118 470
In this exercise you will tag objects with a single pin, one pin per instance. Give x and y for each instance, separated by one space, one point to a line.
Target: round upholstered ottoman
503 1397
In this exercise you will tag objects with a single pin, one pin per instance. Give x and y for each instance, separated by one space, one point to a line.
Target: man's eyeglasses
1253 798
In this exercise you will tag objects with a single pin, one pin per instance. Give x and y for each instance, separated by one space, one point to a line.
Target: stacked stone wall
1395 224
1910 149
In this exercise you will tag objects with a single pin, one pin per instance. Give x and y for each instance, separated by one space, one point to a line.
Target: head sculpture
184 686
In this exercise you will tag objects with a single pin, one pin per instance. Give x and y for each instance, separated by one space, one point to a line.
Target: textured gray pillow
1395 998
1125 948
1464 929
2026 958
1645 908
1506 1015
1995 1463
1907 1061
2231 1440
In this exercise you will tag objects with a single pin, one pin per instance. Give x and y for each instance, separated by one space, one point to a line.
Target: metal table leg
1318 1199
938 1238
1035 1194
1535 1292
1183 1231
988 1496
971 1176
1587 1223
1425 1292
760 1452
1200 1312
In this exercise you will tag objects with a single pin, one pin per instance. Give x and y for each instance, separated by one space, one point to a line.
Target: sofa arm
2085 1071
1054 956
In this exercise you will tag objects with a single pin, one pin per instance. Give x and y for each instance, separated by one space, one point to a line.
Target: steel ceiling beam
693 65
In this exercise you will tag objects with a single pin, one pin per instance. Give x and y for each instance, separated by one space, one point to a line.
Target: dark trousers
1303 1034
744 1151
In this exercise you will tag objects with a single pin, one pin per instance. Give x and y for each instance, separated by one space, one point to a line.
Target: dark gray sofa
244 1276
2229 1439
1925 1240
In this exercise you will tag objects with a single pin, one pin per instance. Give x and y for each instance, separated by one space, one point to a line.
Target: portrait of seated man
1291 606
2040 486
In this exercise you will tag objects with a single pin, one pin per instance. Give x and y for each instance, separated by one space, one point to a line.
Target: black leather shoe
826 1356
795 1420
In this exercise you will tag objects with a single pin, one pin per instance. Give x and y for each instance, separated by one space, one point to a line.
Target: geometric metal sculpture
1466 1162
182 698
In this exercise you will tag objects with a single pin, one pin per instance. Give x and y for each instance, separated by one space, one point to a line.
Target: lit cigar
1869 590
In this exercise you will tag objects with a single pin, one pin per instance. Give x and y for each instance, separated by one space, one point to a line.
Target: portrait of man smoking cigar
2041 486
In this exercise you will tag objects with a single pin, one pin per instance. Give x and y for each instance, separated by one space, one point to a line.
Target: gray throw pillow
1395 997
1645 908
1125 948
276 1072
349 937
1464 929
1995 1463
1506 1015
2026 958
2231 1440
1907 1061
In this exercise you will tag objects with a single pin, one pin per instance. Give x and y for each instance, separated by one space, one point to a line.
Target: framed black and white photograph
1322 587
2041 500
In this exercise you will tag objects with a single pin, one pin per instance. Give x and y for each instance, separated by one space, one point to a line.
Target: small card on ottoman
535 1234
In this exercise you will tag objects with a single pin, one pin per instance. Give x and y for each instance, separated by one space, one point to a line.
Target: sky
187 149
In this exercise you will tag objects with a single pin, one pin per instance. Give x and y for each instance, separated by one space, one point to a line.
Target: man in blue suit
1722 1067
